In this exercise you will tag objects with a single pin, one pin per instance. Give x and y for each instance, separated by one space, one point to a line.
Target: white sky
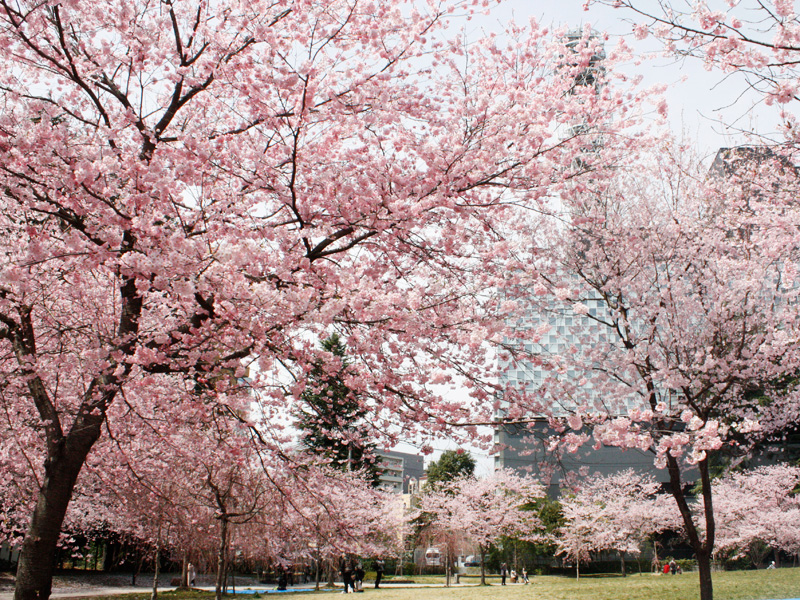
700 101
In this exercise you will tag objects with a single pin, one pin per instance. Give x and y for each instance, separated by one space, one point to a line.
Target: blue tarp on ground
272 591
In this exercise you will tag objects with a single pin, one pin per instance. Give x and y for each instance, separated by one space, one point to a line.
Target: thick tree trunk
704 567
184 572
37 556
483 566
66 454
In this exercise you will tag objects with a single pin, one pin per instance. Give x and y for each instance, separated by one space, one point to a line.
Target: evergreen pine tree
331 417
451 465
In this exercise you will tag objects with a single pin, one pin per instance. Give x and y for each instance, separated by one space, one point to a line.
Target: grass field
733 585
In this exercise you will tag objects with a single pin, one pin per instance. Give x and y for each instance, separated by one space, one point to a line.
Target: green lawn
735 585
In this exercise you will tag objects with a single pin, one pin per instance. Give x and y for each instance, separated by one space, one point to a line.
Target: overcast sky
701 103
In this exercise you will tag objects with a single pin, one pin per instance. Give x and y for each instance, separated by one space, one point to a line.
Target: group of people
353 574
672 567
515 578
285 577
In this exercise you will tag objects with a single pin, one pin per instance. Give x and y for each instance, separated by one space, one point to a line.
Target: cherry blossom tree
754 39
330 512
179 481
575 542
191 189
614 512
137 485
235 490
682 289
757 511
485 509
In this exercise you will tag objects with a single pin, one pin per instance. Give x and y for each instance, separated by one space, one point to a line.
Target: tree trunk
138 568
66 454
702 548
656 562
223 547
109 556
447 567
184 572
156 565
316 575
483 566
622 560
37 556
704 567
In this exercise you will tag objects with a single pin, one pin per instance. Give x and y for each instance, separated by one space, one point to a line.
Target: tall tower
557 327
592 74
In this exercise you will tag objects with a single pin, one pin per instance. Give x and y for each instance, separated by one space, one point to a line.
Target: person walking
379 567
503 573
525 575
191 574
358 576
346 567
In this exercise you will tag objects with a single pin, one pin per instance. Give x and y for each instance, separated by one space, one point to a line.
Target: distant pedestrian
673 566
346 567
358 576
503 573
379 567
191 574
283 579
525 575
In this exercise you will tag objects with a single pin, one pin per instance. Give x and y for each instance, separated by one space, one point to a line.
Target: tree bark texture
221 562
37 556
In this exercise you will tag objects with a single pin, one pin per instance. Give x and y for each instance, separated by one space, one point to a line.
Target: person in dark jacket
358 576
379 567
346 567
503 573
